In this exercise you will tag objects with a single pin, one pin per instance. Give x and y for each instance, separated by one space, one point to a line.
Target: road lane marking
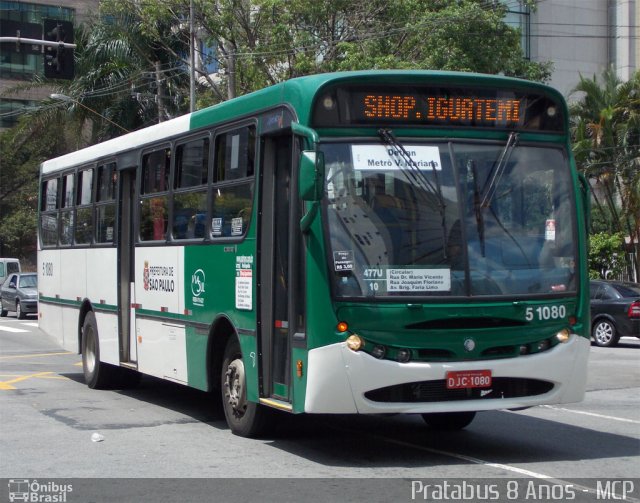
31 324
5 385
12 357
500 466
13 330
593 414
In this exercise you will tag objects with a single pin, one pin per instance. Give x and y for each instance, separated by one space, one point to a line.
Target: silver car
19 293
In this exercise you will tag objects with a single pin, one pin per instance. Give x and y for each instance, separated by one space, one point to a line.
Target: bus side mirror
311 179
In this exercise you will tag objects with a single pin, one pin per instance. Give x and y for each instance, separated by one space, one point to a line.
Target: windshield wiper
493 179
419 178
477 206
489 188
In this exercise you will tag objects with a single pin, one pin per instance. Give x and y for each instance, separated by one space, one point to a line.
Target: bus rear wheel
245 418
97 375
448 420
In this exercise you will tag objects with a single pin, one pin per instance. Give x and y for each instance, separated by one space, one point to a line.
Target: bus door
280 291
126 267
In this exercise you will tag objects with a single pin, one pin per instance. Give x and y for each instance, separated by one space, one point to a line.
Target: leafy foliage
606 133
23 148
261 42
606 253
131 67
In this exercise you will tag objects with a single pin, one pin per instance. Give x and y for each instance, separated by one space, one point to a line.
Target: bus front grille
436 391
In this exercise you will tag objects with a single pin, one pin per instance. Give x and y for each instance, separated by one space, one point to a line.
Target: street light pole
64 97
192 61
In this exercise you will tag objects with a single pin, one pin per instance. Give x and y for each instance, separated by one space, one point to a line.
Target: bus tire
97 374
245 418
449 421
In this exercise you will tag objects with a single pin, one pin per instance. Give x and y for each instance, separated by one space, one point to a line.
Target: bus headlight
543 345
403 355
563 336
355 342
379 352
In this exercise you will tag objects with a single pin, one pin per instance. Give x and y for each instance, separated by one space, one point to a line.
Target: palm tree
126 77
606 133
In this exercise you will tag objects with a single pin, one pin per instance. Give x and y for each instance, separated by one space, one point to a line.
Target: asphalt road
158 437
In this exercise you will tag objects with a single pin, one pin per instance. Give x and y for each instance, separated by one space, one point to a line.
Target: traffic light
58 60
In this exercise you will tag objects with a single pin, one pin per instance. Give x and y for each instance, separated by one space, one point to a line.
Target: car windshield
30 281
449 219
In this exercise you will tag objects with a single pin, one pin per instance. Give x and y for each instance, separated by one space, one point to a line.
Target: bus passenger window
153 218
49 213
84 210
66 215
105 203
154 199
233 191
190 190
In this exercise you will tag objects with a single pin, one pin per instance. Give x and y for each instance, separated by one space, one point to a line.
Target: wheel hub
603 332
235 392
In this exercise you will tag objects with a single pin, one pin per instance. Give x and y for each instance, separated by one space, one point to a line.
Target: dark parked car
615 311
19 293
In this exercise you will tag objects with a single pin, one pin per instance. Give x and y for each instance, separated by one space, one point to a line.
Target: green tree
605 124
23 148
125 75
261 42
131 63
606 255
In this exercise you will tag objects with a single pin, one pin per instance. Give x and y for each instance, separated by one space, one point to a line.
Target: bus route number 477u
545 313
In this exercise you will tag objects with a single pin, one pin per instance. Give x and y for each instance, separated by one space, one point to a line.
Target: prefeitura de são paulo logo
145 275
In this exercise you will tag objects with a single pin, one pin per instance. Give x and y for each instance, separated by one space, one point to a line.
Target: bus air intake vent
435 354
436 391
465 323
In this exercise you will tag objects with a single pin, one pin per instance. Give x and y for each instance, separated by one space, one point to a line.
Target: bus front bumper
338 380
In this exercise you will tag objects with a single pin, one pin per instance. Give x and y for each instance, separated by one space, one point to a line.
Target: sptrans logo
38 492
197 287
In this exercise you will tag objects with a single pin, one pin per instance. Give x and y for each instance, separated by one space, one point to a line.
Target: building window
11 110
518 16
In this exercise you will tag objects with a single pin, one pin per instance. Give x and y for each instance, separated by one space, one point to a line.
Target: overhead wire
117 88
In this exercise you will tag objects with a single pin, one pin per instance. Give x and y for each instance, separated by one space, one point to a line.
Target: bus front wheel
245 418
448 420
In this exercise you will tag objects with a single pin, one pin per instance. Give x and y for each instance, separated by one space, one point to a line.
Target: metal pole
160 95
192 57
35 41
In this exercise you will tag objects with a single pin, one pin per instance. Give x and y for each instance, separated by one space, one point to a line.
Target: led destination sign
459 109
355 105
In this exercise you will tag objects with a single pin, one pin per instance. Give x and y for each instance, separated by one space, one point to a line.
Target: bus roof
298 92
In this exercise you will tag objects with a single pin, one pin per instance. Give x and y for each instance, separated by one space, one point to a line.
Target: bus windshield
450 218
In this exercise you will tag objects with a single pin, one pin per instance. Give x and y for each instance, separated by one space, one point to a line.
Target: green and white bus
360 242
